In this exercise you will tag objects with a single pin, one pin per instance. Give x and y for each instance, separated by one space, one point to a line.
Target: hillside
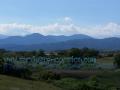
12 83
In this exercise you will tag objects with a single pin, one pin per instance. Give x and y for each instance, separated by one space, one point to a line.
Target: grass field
12 83
106 60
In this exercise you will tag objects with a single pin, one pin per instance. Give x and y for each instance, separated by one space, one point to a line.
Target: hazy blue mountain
3 36
101 44
39 39
50 42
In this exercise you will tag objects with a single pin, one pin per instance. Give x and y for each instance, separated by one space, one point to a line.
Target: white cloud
67 19
99 31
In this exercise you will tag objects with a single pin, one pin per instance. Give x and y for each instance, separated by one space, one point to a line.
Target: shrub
47 75
26 73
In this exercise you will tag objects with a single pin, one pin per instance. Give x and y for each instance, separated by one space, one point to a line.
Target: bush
48 75
68 84
26 73
22 73
75 84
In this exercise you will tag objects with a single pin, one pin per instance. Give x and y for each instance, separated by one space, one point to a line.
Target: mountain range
3 36
50 42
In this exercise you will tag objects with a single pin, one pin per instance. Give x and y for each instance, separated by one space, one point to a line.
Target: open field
105 63
12 83
105 60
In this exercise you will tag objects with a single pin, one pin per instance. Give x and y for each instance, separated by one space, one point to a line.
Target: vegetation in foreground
106 80
42 79
13 83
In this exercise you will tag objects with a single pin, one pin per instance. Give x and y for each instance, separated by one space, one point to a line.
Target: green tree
40 53
117 60
75 52
90 52
62 53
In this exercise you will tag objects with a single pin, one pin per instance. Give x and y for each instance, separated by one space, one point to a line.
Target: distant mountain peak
34 35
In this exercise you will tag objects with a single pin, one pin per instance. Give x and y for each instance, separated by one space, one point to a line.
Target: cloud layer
67 27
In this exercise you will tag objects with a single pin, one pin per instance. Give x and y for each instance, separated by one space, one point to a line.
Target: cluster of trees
76 52
26 72
8 68
48 75
26 53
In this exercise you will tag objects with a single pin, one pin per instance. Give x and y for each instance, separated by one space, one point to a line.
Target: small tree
1 65
75 52
40 53
117 60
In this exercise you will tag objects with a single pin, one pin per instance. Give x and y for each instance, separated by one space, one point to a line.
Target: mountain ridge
39 39
51 42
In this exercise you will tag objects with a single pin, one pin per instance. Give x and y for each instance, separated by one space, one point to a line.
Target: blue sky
46 12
